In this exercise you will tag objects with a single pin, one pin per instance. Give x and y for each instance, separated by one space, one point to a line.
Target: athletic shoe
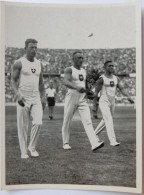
66 147
33 153
115 144
24 156
100 145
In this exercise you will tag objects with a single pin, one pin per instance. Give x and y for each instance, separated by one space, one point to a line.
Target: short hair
77 51
108 61
30 41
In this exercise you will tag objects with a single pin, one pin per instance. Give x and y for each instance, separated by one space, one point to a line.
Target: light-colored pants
73 101
33 109
107 110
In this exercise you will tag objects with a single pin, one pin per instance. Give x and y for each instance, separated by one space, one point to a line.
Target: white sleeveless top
29 75
109 88
78 77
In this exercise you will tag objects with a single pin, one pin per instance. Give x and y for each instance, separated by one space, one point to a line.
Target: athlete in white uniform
29 90
107 85
75 80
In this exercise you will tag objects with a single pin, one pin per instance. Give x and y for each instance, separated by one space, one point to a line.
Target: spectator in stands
55 61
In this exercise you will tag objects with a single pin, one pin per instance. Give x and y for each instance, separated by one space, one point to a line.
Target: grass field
110 166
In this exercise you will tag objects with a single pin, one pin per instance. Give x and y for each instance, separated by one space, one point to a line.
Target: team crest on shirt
112 83
33 70
81 77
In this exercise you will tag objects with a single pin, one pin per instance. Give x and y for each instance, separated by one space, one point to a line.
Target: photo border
138 188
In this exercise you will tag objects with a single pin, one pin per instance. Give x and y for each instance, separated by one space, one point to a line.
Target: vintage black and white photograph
72 96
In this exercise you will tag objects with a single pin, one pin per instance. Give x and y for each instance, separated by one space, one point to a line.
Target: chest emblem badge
112 83
81 77
33 70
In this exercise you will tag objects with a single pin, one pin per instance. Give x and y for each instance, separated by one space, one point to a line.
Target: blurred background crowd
54 62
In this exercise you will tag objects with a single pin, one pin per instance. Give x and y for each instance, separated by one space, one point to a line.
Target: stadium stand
56 60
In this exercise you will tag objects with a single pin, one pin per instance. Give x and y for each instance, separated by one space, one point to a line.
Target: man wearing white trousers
27 83
75 80
107 85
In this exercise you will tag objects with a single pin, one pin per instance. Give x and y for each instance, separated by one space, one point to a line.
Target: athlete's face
110 67
78 59
31 49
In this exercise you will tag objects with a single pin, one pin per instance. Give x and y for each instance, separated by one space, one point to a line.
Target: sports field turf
111 166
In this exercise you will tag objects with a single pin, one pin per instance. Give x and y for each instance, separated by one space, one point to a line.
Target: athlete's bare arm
15 74
42 89
98 86
41 84
68 81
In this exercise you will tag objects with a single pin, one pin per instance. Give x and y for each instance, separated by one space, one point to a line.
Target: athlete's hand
80 89
20 99
43 102
130 100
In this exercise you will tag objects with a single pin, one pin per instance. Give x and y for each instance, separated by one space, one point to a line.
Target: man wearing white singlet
75 80
107 85
27 83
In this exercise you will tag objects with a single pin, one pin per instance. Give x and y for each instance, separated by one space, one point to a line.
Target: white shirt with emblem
78 77
29 75
108 91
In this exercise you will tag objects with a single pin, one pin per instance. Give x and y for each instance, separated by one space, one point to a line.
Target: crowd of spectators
54 62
